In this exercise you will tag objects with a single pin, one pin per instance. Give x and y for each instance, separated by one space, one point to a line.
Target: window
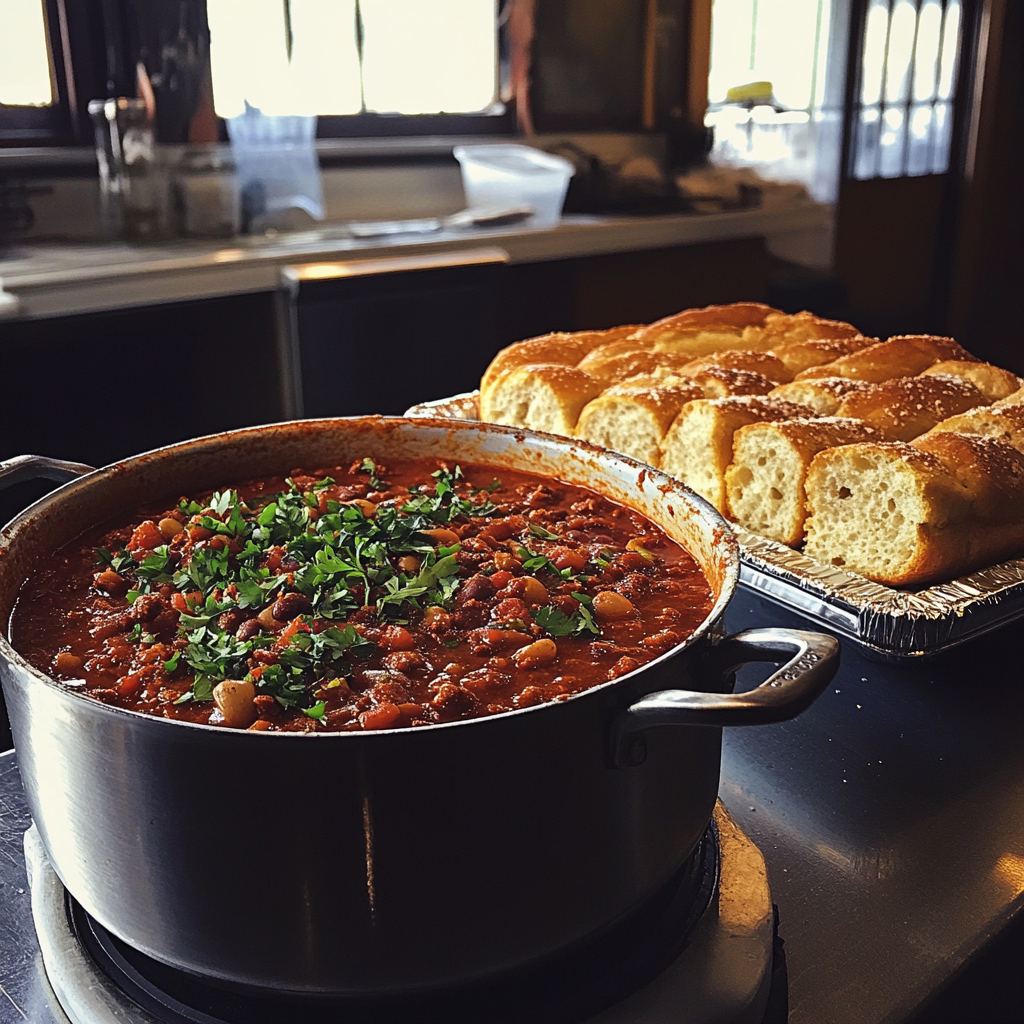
775 88
903 109
346 57
25 75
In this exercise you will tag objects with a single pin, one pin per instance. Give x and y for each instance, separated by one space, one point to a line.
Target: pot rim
665 484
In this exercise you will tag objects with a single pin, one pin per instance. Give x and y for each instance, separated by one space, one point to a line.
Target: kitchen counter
889 814
57 279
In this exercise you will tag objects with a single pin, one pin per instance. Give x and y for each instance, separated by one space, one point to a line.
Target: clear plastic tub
510 175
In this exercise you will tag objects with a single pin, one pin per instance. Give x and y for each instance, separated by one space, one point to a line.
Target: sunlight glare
25 79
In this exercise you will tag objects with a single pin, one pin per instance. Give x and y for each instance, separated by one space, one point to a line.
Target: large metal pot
394 860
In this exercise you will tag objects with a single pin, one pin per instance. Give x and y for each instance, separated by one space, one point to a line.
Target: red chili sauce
362 597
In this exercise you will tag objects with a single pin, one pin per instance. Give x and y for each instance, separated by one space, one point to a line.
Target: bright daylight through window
353 56
25 79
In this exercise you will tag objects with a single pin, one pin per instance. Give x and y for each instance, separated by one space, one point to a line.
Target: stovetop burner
705 938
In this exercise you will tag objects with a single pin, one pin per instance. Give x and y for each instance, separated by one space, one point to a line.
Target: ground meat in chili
361 597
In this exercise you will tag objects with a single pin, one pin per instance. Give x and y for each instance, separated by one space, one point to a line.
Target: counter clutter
900 460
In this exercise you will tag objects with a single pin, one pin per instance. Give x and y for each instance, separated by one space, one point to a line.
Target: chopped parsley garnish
337 555
557 623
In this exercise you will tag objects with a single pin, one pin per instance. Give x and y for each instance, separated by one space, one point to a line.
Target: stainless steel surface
813 661
893 624
407 903
39 467
73 278
889 815
722 975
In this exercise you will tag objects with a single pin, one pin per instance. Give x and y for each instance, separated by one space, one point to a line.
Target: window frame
90 50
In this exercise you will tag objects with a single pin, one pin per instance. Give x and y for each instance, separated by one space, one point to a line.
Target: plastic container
510 175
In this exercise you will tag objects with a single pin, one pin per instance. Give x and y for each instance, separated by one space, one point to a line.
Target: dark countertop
890 815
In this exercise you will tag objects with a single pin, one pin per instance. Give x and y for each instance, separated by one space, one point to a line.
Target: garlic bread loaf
822 394
1005 423
698 446
540 396
908 406
802 355
765 483
700 332
634 416
765 363
992 381
904 356
904 514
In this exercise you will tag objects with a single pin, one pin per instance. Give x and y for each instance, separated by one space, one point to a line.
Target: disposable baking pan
893 624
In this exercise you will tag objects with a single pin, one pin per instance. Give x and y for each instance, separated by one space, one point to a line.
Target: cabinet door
381 343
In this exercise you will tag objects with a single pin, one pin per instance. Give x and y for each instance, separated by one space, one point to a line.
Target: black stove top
571 987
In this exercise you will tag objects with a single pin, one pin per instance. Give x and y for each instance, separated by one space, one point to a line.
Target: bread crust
699 332
697 448
906 407
803 354
540 396
822 394
787 328
1003 422
765 482
993 382
633 417
903 356
765 363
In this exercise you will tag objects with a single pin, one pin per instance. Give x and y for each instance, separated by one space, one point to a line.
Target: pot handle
36 467
813 662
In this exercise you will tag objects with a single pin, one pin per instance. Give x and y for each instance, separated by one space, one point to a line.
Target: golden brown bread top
781 328
991 470
908 406
556 391
822 394
622 364
992 381
741 359
1005 423
751 408
813 434
721 382
662 398
801 355
557 347
699 331
904 356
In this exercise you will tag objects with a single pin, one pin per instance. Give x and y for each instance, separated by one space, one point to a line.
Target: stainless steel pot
394 860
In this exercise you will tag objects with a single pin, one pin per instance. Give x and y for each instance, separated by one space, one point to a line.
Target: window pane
429 56
950 47
891 144
249 57
875 34
942 135
25 79
926 59
866 150
901 47
918 152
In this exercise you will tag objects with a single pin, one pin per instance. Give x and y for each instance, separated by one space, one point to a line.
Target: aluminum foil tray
893 624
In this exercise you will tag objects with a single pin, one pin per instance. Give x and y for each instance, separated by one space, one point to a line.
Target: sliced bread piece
903 356
823 394
906 407
801 355
765 483
540 396
885 510
993 382
764 363
698 446
784 328
1003 422
634 416
699 332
